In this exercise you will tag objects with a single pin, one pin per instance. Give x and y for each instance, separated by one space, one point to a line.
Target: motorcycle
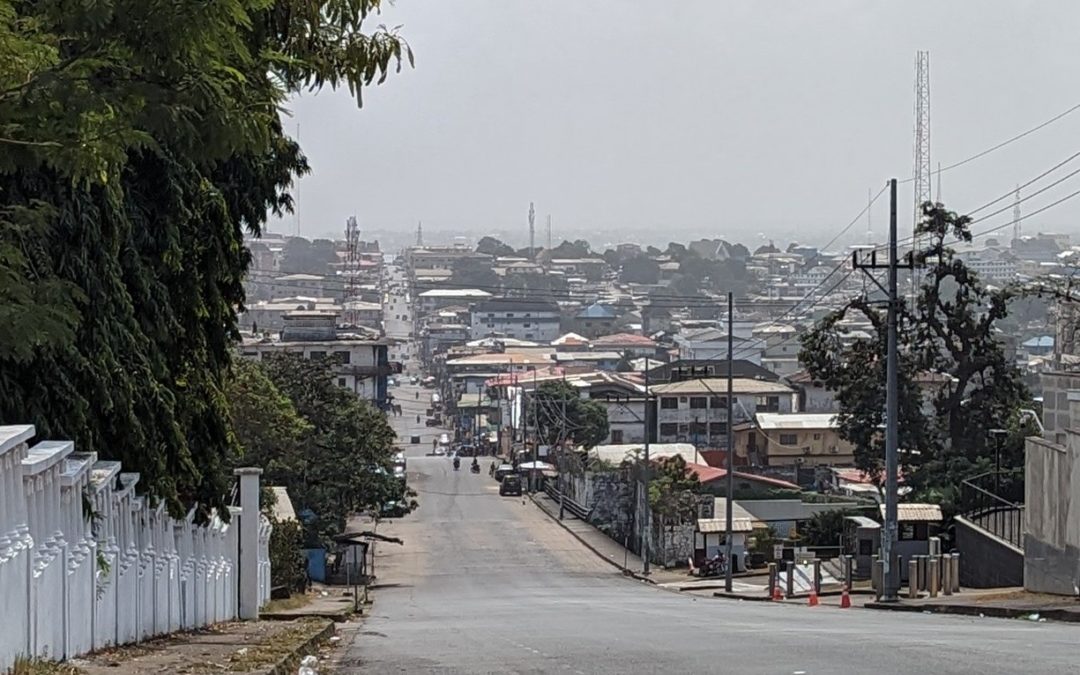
474 467
457 463
713 567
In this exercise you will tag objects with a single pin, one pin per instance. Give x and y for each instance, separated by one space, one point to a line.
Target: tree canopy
956 382
494 247
562 415
139 141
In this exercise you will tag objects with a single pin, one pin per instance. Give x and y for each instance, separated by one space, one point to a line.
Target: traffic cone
813 598
777 596
845 599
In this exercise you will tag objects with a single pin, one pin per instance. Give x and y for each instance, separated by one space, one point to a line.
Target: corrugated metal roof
779 421
916 513
710 525
862 521
718 386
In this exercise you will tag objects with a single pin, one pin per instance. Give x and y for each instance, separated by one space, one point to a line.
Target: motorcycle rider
475 468
457 462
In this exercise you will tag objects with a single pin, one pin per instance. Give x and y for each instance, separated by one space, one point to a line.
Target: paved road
486 584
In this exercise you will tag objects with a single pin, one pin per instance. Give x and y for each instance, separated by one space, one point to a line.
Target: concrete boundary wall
86 563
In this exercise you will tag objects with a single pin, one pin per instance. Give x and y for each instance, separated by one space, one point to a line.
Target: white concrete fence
86 563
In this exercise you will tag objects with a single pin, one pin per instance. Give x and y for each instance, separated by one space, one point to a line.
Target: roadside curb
598 552
1062 615
289 663
336 617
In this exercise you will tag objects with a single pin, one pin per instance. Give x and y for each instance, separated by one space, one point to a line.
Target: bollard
946 574
956 572
772 579
817 575
923 586
913 578
879 572
934 578
875 578
899 573
790 578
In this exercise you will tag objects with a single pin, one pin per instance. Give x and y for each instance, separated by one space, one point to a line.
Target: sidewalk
254 647
606 547
1008 603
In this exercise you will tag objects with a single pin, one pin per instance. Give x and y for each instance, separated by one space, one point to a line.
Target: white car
440 450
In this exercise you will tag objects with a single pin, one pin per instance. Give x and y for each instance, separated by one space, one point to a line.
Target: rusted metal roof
710 525
916 513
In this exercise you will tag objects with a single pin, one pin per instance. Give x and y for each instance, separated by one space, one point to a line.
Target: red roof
707 474
861 477
624 339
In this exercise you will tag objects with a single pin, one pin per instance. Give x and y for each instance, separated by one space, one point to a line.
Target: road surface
489 584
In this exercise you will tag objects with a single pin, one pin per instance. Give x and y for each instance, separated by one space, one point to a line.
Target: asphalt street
489 584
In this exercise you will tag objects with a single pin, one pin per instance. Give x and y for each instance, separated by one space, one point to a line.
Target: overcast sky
694 117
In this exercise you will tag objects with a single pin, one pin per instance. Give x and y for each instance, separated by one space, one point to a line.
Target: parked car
392 510
504 470
511 485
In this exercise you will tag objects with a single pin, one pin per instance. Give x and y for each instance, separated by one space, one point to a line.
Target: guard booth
863 536
916 525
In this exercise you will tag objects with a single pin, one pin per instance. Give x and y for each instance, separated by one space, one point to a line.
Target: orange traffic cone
813 598
777 596
845 599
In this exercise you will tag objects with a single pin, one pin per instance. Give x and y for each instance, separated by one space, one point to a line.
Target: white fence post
74 580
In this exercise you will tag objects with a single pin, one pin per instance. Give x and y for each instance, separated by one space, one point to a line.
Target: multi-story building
534 320
361 360
429 302
695 411
802 439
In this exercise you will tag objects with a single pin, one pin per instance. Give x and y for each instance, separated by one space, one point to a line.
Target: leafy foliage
308 257
824 528
955 380
139 140
563 415
346 466
491 246
288 566
673 490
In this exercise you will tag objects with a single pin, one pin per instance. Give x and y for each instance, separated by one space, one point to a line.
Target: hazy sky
703 117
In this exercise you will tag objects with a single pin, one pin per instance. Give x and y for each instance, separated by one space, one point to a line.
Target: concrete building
595 320
807 439
361 361
711 344
627 343
534 320
429 302
695 411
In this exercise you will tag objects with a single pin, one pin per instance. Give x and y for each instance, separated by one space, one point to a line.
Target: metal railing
571 507
983 506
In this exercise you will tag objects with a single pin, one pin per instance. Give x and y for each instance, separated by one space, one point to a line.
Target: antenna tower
1018 228
532 230
419 233
352 266
549 231
922 136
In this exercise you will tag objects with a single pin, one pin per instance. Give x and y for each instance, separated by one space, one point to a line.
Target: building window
817 437
718 402
316 356
684 428
509 315
341 382
529 336
526 325
697 429
717 428
768 403
698 402
616 436
669 403
789 439
669 429
343 356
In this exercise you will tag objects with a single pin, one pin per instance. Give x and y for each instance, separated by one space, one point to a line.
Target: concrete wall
985 560
1052 515
72 581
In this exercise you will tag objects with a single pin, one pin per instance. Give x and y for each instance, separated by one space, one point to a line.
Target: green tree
673 490
640 270
563 416
138 141
824 528
491 246
348 455
473 273
308 257
950 357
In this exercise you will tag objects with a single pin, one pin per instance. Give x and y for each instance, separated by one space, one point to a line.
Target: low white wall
86 563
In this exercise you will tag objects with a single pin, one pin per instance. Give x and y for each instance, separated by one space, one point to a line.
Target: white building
519 318
362 362
709 344
695 411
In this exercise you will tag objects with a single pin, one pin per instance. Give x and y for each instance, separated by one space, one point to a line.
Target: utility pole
891 582
729 487
562 462
536 432
532 232
646 537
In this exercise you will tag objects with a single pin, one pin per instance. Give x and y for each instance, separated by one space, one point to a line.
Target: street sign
778 551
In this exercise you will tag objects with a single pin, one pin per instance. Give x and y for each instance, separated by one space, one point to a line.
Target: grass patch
292 602
281 645
25 666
